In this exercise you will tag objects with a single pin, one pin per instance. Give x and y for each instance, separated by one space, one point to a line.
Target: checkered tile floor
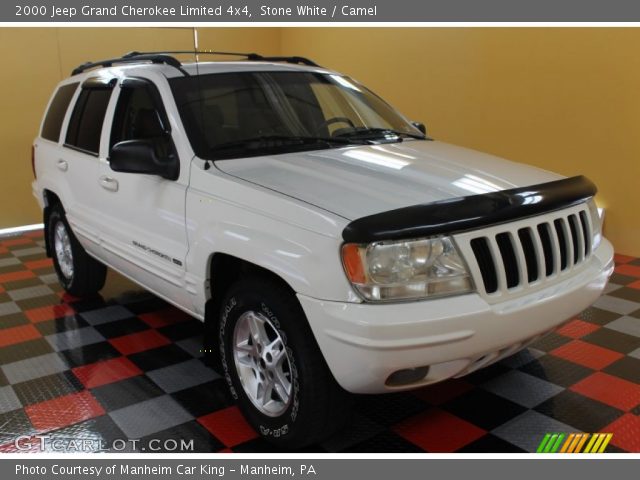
127 366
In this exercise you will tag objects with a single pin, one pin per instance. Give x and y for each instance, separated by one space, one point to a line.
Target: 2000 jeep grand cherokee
328 245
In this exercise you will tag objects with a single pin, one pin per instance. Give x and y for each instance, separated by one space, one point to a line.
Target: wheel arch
223 271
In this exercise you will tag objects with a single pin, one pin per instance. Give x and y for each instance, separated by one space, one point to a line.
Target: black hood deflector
470 212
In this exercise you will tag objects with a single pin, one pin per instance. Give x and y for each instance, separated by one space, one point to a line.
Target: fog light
407 376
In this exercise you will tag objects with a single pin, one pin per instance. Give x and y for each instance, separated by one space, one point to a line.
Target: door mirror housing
420 126
139 156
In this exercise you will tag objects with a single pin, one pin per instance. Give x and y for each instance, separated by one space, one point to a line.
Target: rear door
144 232
79 160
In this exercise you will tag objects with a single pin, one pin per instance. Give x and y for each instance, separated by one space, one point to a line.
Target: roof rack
248 56
168 59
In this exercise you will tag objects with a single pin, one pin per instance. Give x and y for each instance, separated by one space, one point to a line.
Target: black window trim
91 83
156 97
68 111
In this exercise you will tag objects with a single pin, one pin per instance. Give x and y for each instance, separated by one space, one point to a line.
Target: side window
57 110
87 118
140 116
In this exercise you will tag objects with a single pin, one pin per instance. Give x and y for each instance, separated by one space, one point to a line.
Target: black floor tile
59 325
483 409
123 393
120 328
182 330
46 388
550 342
14 424
159 357
95 435
627 293
556 370
205 398
613 340
89 354
579 411
598 316
627 368
190 437
385 442
13 320
490 444
390 408
620 279
24 350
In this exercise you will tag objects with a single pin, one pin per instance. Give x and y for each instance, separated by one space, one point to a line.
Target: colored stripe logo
574 443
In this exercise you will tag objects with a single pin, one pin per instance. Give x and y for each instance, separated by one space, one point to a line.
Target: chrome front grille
515 257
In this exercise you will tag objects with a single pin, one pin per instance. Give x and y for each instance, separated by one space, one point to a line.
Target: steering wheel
331 121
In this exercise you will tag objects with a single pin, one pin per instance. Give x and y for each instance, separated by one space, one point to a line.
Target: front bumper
364 344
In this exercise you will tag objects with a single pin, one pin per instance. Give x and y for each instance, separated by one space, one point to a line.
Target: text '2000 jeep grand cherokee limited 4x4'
328 245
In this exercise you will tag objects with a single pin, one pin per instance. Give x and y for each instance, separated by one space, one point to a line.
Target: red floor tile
3 249
67 297
635 284
2 290
586 354
139 342
162 318
34 234
36 264
626 432
11 336
107 371
577 328
608 389
63 411
630 270
228 426
444 391
15 276
438 431
21 240
621 259
49 312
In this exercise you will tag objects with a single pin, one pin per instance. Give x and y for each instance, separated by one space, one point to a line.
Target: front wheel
274 367
78 273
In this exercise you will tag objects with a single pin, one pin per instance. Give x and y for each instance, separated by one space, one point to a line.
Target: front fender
309 261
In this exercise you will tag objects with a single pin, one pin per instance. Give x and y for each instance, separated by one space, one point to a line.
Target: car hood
354 182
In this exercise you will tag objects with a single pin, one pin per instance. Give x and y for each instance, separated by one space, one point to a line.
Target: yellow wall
565 99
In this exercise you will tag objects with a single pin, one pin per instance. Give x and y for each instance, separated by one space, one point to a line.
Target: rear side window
57 110
87 118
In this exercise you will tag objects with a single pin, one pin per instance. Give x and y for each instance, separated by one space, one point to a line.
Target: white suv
328 245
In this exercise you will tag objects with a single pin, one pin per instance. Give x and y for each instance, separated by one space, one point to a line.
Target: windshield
228 115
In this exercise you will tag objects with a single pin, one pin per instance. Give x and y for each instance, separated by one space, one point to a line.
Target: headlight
596 224
403 270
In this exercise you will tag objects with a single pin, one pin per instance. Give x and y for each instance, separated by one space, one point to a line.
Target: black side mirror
420 126
139 156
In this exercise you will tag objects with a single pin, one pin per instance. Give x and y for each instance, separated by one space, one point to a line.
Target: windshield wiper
274 141
379 132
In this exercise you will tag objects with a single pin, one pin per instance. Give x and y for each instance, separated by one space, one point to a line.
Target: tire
317 406
78 273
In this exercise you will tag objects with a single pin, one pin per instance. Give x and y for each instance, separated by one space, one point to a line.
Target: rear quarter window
85 126
57 110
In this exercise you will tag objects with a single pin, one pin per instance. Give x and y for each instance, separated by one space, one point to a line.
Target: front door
144 234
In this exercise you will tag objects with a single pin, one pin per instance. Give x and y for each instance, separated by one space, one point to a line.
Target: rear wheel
274 367
78 273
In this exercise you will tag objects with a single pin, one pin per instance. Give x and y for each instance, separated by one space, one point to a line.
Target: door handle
62 165
109 183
